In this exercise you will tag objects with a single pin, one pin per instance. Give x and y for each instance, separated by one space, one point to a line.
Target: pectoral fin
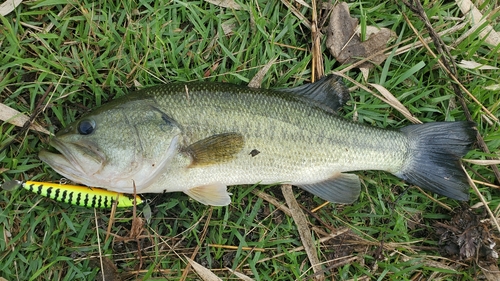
213 194
215 149
341 188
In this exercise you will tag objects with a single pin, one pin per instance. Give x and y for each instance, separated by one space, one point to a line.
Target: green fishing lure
77 195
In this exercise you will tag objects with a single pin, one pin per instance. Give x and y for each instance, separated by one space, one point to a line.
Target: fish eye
86 127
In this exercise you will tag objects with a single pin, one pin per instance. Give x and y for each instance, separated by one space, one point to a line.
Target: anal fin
341 188
214 194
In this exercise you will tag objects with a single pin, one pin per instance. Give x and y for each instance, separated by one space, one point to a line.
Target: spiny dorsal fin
341 188
329 91
215 149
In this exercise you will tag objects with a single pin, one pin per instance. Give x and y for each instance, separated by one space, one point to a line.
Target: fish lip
61 164
66 160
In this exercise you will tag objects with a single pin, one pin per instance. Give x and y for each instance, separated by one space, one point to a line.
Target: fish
76 195
201 137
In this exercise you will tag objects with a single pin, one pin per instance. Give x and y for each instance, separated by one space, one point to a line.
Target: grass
85 53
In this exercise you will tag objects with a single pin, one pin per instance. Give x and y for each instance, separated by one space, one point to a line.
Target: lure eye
86 127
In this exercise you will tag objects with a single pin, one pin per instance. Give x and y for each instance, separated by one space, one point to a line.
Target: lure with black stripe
76 195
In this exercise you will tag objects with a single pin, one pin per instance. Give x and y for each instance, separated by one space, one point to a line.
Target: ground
59 59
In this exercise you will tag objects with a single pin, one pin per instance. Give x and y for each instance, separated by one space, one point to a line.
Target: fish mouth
76 161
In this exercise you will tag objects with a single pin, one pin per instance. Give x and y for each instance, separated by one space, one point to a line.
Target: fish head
120 147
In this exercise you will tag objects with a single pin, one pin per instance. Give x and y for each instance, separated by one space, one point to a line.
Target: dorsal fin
329 91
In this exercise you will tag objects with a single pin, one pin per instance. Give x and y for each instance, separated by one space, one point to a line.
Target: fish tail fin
434 159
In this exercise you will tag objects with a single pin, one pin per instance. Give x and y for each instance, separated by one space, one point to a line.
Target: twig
297 13
303 229
231 247
481 197
195 252
112 217
343 262
433 199
300 248
441 47
273 201
317 56
99 244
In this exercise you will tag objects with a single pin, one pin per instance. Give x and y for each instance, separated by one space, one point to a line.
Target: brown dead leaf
15 117
109 272
341 39
240 275
490 270
467 238
9 6
390 99
230 4
477 20
204 273
257 79
494 87
228 27
345 43
303 19
365 71
467 64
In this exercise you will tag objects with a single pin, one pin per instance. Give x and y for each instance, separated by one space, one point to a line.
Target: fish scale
309 122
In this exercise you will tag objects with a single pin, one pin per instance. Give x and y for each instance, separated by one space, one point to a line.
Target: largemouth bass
201 137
